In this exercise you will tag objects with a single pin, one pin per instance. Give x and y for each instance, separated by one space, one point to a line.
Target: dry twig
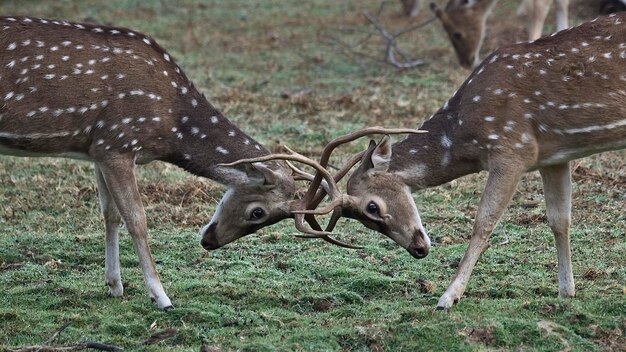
81 346
391 43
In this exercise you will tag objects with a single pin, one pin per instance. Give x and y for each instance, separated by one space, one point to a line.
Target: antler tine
325 210
354 159
300 175
328 149
311 197
333 220
321 171
310 233
332 190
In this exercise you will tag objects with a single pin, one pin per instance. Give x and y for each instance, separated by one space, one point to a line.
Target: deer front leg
119 176
112 222
557 188
498 192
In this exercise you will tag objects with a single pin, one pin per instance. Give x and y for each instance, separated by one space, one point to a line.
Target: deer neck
204 138
439 156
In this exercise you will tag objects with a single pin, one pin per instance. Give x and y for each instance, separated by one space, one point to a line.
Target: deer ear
381 157
376 158
260 174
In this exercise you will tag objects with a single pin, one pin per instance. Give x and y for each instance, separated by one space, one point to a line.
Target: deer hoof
116 289
446 301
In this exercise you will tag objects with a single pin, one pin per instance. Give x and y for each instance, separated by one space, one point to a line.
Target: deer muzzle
420 245
208 238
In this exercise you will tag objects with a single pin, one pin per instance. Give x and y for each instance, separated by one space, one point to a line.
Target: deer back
528 106
97 92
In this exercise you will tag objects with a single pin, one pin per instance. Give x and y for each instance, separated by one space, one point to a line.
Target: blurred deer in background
114 97
411 8
530 106
465 23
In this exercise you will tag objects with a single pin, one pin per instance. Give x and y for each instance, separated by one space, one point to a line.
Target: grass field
274 68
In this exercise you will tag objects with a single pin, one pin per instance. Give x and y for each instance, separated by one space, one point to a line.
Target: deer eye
257 213
457 35
372 208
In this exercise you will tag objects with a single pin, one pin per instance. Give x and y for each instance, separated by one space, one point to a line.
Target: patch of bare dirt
609 339
582 173
483 335
530 219
180 193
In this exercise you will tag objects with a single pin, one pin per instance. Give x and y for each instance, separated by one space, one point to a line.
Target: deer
529 106
526 107
114 97
465 23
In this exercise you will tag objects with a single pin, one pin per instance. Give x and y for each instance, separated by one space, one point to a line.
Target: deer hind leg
112 222
119 176
498 192
557 188
561 14
538 12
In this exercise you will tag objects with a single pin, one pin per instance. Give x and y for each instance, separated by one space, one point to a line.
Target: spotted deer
114 97
529 106
465 22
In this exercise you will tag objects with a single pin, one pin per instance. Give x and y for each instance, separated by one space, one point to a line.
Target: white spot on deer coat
220 149
12 46
446 142
476 98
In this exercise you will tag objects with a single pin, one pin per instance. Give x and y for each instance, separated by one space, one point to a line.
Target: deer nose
421 245
419 252
209 241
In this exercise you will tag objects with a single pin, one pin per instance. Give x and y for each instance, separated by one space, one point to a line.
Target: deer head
464 21
258 196
379 199
244 209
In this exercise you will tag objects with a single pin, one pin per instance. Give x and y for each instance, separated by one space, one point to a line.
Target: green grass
271 291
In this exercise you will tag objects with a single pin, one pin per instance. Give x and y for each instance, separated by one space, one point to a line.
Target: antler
332 190
313 197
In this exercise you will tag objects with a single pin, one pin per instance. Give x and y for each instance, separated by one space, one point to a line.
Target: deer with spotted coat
465 23
529 106
113 96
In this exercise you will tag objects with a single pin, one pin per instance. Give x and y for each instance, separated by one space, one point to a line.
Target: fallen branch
81 346
78 347
391 43
160 336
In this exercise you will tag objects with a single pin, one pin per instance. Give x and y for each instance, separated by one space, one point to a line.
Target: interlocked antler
313 197
331 186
